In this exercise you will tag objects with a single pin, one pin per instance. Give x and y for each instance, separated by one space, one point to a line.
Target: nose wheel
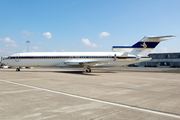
88 70
17 69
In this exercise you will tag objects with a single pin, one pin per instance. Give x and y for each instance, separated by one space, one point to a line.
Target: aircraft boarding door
71 57
109 57
77 57
17 58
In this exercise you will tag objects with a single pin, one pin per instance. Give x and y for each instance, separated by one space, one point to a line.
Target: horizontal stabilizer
156 38
163 36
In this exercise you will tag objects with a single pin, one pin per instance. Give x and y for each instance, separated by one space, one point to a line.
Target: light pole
27 44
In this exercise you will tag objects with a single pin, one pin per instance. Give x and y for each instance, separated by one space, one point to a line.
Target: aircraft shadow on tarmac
83 72
74 72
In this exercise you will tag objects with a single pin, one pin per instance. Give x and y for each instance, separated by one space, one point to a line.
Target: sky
86 25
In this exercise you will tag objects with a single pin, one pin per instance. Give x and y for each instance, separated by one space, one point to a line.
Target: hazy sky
86 25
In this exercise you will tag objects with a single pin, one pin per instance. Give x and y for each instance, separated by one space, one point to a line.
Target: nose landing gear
17 69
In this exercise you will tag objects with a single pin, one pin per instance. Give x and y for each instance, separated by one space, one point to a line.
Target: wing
86 63
93 62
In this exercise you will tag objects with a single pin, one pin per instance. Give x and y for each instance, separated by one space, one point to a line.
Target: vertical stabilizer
143 47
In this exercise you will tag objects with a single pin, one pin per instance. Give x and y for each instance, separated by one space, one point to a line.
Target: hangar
162 60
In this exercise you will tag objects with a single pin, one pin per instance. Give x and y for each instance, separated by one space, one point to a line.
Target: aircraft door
17 58
109 57
77 57
71 57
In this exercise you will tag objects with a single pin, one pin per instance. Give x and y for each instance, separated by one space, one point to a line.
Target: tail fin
143 47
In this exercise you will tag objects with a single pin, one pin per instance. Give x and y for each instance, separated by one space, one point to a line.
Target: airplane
120 56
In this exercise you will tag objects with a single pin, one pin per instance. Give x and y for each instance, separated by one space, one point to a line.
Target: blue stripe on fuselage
69 57
122 46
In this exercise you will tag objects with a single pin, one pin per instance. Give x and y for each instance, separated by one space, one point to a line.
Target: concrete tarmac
104 94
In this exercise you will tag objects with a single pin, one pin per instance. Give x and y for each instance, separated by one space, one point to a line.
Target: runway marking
96 100
17 91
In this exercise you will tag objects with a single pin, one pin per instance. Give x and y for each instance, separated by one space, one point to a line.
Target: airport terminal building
162 60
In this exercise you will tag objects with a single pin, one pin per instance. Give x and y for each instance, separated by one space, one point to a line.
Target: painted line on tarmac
95 100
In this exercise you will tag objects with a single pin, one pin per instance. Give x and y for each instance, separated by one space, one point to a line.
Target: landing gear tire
88 70
17 69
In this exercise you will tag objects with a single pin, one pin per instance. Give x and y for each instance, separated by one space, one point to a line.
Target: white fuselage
121 56
72 59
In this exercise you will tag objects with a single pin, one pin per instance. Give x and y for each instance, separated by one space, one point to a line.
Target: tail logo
144 45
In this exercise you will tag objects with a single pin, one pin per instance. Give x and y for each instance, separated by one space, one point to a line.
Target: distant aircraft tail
143 47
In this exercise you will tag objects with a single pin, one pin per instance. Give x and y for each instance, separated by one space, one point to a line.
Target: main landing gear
17 69
88 70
